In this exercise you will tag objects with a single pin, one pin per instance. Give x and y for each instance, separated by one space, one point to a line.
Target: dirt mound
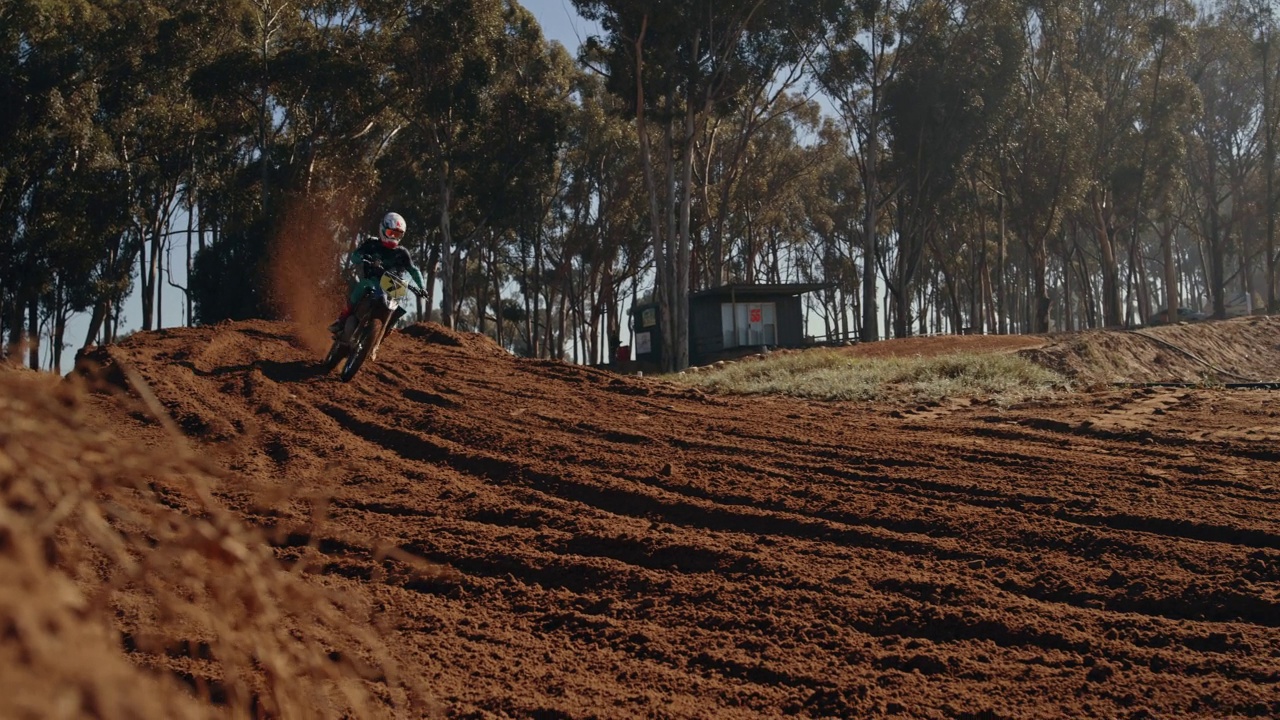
128 591
478 345
1228 351
623 547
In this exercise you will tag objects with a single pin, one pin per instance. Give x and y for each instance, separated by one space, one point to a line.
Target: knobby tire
363 345
337 351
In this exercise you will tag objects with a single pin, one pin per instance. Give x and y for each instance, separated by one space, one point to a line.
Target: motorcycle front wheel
336 352
362 341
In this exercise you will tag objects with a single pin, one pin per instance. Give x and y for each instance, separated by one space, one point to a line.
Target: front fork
353 321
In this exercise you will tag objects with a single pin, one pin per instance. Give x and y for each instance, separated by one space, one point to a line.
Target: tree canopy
934 165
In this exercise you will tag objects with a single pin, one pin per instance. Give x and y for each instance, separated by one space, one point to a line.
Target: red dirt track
625 547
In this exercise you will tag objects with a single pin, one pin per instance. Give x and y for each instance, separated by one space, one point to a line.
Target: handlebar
414 290
375 265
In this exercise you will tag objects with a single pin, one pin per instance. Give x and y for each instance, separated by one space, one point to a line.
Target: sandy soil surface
609 546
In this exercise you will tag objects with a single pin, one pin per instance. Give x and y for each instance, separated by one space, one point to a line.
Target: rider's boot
336 327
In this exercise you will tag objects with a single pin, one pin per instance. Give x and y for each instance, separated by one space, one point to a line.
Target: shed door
749 324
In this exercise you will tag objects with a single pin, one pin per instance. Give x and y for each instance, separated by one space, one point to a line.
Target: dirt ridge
625 547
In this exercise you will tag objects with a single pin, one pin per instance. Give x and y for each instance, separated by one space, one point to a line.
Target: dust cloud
306 284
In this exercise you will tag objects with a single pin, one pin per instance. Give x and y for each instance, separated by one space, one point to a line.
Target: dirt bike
367 326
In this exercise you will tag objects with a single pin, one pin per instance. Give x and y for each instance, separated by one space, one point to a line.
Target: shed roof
746 291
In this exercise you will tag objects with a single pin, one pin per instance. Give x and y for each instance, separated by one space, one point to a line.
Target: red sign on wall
756 316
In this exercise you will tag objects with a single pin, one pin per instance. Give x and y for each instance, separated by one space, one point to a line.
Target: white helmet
393 227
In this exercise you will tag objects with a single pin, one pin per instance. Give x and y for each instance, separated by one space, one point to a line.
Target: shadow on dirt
296 371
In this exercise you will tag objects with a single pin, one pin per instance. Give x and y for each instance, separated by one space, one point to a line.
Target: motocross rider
384 251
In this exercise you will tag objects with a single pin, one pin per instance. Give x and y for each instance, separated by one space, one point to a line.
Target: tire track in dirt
1123 523
627 547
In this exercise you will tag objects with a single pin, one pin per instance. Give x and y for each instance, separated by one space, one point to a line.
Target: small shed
646 327
729 321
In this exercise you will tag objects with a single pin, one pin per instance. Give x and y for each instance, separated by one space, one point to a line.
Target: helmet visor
393 233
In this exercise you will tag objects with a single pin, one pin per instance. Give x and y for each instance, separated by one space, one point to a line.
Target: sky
560 21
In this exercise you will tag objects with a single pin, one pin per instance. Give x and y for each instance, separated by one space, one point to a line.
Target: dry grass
833 375
128 591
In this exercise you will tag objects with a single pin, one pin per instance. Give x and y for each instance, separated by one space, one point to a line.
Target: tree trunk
672 290
1170 268
495 277
539 329
33 334
16 325
663 279
1068 321
1269 207
446 249
684 244
158 281
59 325
901 294
429 271
187 281
1109 269
147 290
870 308
1217 249
96 320
1144 283
1039 287
1002 326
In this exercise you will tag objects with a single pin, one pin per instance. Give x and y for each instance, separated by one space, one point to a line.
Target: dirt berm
463 533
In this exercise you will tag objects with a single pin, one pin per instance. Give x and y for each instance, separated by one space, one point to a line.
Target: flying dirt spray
306 259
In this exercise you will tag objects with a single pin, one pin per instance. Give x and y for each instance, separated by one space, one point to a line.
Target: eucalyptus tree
726 147
1168 101
599 209
152 120
834 230
293 104
960 252
521 165
858 61
678 64
1108 56
1262 16
1044 173
59 206
35 93
760 190
476 102
17 39
1129 54
958 68
1224 148
445 64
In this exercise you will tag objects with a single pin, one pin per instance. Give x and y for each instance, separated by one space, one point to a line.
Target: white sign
642 343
